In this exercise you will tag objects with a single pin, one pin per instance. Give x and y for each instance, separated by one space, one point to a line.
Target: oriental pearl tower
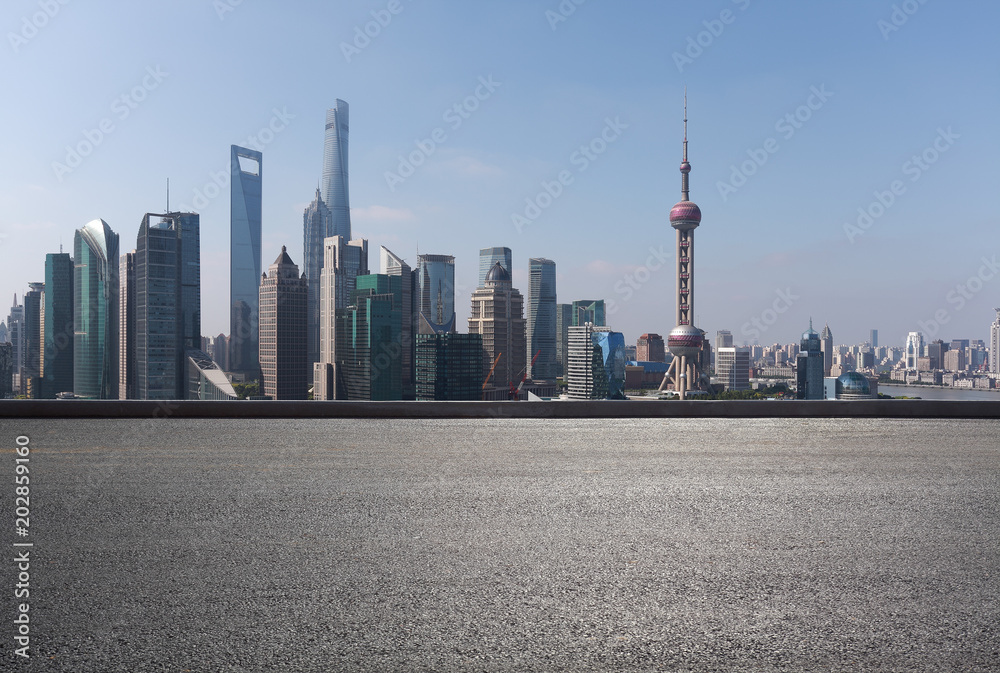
685 340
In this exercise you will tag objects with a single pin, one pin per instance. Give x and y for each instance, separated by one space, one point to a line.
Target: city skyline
807 166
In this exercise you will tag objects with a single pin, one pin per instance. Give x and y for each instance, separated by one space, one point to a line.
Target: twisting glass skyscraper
335 179
245 261
95 311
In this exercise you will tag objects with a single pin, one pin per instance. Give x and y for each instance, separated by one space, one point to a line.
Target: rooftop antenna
168 195
684 161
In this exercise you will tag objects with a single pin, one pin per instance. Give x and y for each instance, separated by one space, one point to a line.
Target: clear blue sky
209 78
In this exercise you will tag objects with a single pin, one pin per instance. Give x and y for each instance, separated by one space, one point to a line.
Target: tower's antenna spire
168 195
685 166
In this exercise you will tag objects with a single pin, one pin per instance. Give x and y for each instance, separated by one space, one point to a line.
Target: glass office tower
245 262
58 353
541 327
95 311
335 177
436 292
490 256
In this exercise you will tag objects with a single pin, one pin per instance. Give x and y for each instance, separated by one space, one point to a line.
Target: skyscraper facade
449 366
498 315
368 340
57 354
826 346
343 262
126 327
284 299
541 328
596 369
245 261
33 325
95 311
436 293
490 256
335 191
589 310
873 338
15 330
994 353
914 349
317 226
732 367
167 303
394 265
650 348
809 371
564 320
724 339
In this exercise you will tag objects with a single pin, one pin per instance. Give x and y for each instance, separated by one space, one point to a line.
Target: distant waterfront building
873 338
95 311
436 293
490 256
57 355
343 262
650 348
541 326
723 339
394 265
15 331
368 340
809 373
498 315
6 369
284 362
732 367
246 169
914 349
564 320
589 310
33 302
167 303
853 386
126 327
450 367
336 183
317 226
993 357
954 360
596 363
935 351
826 346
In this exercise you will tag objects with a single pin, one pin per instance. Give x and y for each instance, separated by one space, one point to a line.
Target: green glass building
450 367
95 311
369 342
57 356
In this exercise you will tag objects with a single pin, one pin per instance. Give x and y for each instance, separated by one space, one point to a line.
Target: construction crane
515 393
490 374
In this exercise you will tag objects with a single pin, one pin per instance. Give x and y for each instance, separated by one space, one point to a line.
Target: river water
935 393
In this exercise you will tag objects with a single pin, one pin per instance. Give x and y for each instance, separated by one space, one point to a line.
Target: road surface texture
508 545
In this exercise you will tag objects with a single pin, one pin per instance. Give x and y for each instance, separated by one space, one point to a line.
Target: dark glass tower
95 311
542 319
245 261
436 288
809 366
33 299
58 348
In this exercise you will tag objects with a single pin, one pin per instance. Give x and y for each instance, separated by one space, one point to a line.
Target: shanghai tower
335 183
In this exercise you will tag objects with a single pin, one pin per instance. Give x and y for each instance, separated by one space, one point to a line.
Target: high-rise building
490 256
541 328
935 351
564 320
685 341
205 380
368 340
914 349
873 338
450 366
33 341
394 265
167 303
498 315
126 327
284 299
15 329
809 371
436 293
732 367
57 356
317 226
343 262
336 192
6 369
650 348
589 310
95 311
993 358
244 262
723 339
954 360
596 369
826 347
